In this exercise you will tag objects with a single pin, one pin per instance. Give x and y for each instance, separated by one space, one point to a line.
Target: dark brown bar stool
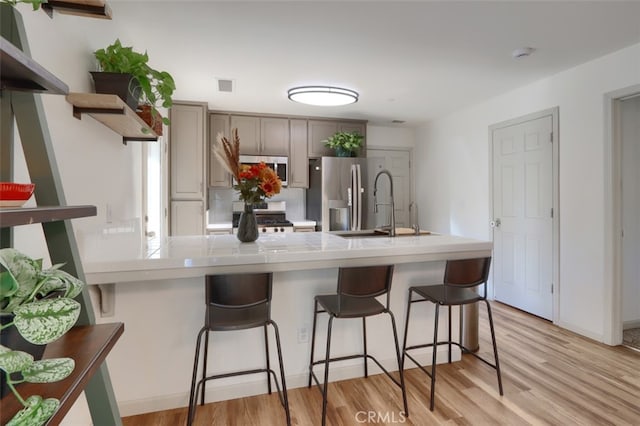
358 288
237 302
461 277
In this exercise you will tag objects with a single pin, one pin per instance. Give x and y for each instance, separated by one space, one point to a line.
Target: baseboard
221 392
630 324
581 331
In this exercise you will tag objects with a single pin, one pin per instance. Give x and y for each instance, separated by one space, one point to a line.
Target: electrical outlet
303 334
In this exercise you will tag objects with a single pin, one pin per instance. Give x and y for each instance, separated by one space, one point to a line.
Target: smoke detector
522 52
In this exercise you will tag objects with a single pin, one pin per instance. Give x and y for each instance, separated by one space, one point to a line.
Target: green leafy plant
157 86
34 3
347 142
41 303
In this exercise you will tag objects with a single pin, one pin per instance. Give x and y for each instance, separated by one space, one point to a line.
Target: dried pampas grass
228 152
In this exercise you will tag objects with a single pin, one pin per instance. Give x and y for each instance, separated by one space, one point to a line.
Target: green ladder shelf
22 78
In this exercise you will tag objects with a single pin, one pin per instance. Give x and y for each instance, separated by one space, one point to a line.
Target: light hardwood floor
550 375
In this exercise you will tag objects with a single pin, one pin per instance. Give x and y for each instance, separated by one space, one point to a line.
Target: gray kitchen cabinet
186 145
187 218
218 176
318 131
262 135
298 155
187 142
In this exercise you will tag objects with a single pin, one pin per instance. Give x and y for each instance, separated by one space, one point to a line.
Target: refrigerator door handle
356 184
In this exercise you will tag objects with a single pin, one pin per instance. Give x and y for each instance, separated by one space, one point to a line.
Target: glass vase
247 225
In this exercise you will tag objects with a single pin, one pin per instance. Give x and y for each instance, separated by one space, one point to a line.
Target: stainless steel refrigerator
337 198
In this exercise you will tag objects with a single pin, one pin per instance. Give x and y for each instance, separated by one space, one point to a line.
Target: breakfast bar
159 295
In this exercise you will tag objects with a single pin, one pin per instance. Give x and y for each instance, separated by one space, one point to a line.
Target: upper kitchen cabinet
218 176
298 157
186 145
318 132
262 135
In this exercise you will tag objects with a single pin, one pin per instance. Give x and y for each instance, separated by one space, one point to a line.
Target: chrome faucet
414 223
392 225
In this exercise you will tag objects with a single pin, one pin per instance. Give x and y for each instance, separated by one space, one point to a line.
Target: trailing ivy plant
157 86
41 303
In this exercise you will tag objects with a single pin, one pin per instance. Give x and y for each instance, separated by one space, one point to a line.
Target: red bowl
16 191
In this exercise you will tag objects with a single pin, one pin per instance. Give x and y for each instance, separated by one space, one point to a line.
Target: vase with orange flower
254 182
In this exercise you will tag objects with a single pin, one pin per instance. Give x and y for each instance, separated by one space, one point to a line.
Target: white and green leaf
15 361
36 413
44 321
48 370
55 279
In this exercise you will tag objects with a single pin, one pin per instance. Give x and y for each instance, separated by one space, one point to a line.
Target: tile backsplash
220 203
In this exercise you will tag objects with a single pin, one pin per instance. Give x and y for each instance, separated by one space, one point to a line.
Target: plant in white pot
38 304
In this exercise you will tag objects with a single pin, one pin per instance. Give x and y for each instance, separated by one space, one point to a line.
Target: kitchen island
159 295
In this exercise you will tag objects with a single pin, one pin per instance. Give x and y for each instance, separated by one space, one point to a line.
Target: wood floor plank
551 376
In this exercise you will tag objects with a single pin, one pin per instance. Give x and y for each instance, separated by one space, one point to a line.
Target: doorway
524 188
618 115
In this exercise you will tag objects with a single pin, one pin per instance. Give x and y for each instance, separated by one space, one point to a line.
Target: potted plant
147 86
35 3
39 305
345 143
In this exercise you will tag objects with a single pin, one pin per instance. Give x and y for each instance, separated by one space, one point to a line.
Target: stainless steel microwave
279 164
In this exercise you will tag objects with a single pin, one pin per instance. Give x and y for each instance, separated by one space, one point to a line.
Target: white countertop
194 256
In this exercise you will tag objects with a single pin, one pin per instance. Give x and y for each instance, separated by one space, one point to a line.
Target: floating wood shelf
88 346
89 8
19 72
111 111
29 215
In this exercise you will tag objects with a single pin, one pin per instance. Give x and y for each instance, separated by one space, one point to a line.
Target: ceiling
410 61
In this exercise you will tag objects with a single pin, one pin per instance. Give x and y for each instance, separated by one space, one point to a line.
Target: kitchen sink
377 233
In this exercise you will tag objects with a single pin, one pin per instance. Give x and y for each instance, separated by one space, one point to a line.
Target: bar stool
237 302
461 277
357 289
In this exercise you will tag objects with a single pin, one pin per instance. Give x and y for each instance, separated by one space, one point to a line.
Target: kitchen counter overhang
195 256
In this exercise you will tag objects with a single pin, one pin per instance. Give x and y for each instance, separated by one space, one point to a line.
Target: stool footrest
344 358
428 345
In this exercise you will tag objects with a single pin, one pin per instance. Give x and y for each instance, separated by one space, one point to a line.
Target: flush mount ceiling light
322 95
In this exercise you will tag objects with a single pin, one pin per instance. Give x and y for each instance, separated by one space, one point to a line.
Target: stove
268 221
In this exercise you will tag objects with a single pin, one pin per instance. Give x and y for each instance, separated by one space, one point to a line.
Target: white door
522 215
399 165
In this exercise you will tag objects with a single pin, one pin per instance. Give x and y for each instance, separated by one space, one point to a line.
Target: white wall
453 156
390 137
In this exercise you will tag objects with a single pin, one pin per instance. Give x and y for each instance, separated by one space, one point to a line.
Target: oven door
278 164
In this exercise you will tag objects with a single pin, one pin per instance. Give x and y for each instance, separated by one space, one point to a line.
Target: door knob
495 223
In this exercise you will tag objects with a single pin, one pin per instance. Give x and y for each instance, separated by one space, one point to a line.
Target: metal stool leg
282 379
449 331
400 366
406 328
364 338
204 366
266 352
194 378
433 362
326 372
495 346
313 340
